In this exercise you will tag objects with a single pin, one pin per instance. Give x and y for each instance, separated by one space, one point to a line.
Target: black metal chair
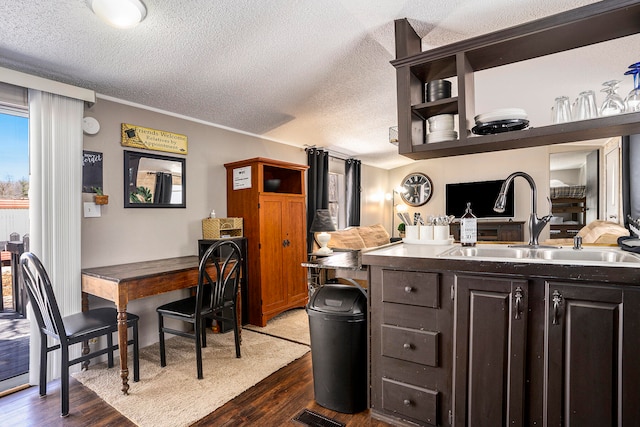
69 330
215 296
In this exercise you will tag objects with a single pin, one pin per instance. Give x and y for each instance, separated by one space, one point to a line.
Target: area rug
173 396
292 325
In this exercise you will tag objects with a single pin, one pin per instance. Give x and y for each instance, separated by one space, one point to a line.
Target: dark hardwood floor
272 402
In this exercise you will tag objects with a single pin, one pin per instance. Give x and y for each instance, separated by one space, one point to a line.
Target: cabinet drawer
411 287
413 402
410 344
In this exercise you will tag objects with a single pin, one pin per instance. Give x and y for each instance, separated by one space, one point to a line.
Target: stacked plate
442 135
441 128
501 120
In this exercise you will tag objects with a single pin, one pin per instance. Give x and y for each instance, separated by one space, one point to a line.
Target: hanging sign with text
91 171
153 139
242 178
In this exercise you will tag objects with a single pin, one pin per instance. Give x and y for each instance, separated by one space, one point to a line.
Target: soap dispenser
468 228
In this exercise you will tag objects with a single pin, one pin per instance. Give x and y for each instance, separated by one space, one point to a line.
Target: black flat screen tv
482 195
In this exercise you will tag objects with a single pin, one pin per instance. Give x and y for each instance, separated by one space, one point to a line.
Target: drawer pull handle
518 298
408 289
557 300
406 402
407 346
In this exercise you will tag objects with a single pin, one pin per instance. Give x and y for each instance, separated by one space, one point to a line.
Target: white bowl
441 136
441 122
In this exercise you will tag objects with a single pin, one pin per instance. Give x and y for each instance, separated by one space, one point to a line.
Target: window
14 164
14 143
337 199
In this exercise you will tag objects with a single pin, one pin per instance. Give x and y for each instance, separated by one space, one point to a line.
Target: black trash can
338 330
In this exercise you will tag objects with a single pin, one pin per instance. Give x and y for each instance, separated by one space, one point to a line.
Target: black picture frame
146 176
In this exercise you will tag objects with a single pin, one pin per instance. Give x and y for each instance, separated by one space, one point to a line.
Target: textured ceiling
298 72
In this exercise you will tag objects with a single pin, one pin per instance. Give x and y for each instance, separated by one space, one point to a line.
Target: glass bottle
468 228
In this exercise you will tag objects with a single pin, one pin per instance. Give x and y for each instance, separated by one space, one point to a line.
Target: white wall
129 235
480 167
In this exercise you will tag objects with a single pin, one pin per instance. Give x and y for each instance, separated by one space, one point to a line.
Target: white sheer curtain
55 197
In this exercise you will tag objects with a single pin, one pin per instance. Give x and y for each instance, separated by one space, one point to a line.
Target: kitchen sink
488 252
601 255
567 255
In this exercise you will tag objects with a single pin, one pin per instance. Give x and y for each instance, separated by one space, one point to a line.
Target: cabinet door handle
285 243
407 346
406 402
518 302
557 300
408 289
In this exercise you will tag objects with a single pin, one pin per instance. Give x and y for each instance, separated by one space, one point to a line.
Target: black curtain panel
317 186
353 189
630 177
132 173
162 193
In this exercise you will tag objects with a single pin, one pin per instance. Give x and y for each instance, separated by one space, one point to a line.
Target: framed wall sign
153 139
91 171
242 178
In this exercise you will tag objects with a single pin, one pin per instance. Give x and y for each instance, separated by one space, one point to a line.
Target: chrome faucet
536 225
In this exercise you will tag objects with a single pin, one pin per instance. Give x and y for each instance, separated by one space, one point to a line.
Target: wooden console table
125 282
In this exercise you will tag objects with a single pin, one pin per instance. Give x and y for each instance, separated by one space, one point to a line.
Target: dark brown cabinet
269 195
497 344
497 231
490 342
584 26
411 333
592 355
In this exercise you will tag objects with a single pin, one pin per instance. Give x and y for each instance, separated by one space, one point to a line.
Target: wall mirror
154 181
585 185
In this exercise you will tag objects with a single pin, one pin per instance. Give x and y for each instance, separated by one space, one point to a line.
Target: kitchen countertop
408 256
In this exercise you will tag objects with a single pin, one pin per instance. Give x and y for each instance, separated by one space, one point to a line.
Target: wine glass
612 104
632 101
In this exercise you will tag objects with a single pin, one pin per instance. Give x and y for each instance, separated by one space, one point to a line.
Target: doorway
14 229
574 190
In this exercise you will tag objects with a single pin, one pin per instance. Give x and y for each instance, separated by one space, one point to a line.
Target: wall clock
418 188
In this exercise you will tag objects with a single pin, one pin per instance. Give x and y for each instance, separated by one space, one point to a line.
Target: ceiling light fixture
119 13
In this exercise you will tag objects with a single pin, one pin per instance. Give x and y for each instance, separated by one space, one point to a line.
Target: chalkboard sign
91 171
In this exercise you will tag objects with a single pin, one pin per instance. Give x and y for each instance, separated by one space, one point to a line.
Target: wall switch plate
91 210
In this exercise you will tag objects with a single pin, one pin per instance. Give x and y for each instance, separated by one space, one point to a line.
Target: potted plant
401 229
100 198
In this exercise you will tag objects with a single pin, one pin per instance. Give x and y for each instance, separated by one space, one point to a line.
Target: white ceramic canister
412 232
426 232
440 232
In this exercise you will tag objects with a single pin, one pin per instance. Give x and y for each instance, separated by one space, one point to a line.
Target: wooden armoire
270 196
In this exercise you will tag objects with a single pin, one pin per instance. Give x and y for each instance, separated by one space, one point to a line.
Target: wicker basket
220 228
